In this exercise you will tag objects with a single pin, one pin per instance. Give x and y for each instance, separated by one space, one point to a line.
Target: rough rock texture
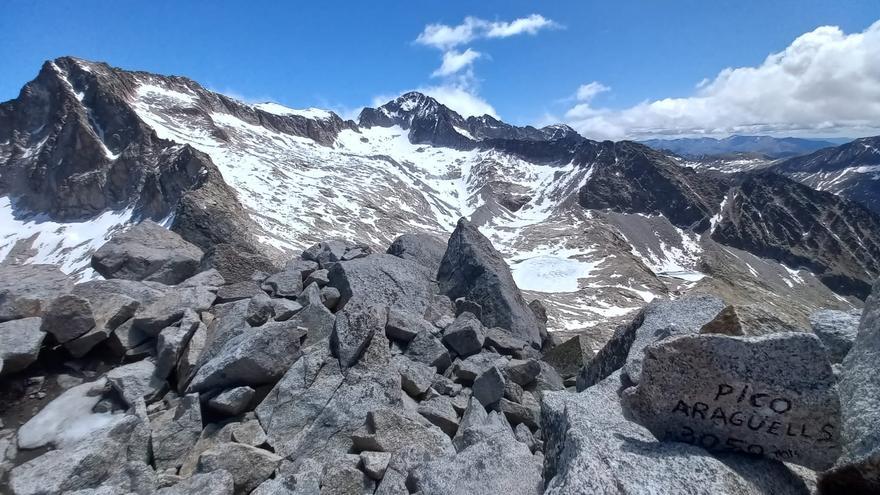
569 357
175 431
383 279
424 249
858 469
473 269
148 251
233 401
591 448
354 330
218 482
249 466
837 330
748 320
773 395
27 290
20 342
465 336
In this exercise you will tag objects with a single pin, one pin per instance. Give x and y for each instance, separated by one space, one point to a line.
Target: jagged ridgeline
200 295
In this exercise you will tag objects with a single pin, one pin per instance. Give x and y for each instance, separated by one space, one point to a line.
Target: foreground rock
147 251
27 290
773 396
592 448
424 249
837 330
473 269
20 342
858 469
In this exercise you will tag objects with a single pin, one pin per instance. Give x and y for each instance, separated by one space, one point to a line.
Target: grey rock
136 381
390 430
287 283
131 477
858 468
523 372
249 466
232 402
747 320
187 362
341 476
314 317
385 280
540 312
403 325
147 251
172 342
249 433
547 379
260 310
304 267
524 436
837 330
126 337
330 297
319 277
528 412
465 336
326 252
284 309
440 412
503 342
425 348
236 263
217 482
462 305
424 249
175 431
513 392
68 317
20 342
169 308
210 279
354 329
473 269
255 357
415 377
375 463
213 435
467 370
237 291
27 290
445 386
569 357
773 395
591 448
612 356
489 386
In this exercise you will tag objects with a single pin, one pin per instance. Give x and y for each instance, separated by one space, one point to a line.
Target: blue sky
344 55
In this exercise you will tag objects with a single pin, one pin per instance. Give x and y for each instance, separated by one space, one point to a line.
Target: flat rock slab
773 395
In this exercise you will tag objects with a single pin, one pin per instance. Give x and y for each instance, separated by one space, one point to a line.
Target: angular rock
403 325
513 392
210 279
260 309
326 252
773 395
465 336
473 269
314 317
20 342
175 431
523 372
330 297
304 267
527 413
425 348
136 381
467 370
440 412
148 251
424 249
249 466
390 430
218 482
375 463
187 362
489 386
237 291
462 305
837 330
319 277
286 283
569 357
172 342
169 308
415 377
353 331
68 317
591 448
284 309
547 379
341 476
255 357
524 436
235 263
249 433
213 435
504 343
232 402
385 280
858 468
747 320
27 290
125 338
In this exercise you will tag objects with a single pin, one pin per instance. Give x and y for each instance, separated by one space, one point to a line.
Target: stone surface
773 395
136 381
27 290
440 412
169 308
68 317
504 343
591 448
383 279
147 251
425 348
424 249
172 342
404 325
255 357
837 330
175 431
858 468
249 433
238 290
415 377
523 371
527 412
20 342
287 283
467 370
489 386
319 277
354 329
375 463
465 336
569 357
330 297
233 401
187 362
315 317
217 482
473 269
260 310
747 320
249 466
284 309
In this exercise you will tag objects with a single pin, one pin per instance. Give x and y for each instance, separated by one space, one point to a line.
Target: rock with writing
772 395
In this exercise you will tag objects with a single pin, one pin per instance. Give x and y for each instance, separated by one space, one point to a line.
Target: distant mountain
769 147
851 170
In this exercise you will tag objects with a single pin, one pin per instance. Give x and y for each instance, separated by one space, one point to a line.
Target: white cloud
826 82
461 99
587 91
445 37
454 61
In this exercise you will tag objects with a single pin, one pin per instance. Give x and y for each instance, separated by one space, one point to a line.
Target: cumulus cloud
586 92
445 37
454 61
461 99
826 82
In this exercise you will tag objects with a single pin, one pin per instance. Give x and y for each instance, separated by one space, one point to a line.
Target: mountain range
766 146
595 229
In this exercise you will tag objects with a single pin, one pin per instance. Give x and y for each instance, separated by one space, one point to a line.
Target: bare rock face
773 396
473 269
27 290
148 252
20 342
749 321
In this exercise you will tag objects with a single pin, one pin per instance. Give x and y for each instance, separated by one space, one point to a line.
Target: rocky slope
595 229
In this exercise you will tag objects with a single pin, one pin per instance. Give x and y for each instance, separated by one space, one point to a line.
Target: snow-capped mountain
851 170
595 229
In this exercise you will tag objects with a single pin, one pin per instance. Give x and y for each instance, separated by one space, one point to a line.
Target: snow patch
309 113
551 270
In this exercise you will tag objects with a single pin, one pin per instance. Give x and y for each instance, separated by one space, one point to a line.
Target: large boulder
858 468
27 290
20 342
424 249
473 269
837 330
237 263
169 308
592 448
749 321
383 279
773 395
148 251
354 330
249 466
465 336
175 431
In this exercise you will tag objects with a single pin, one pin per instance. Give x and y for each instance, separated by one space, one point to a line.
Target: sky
612 70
